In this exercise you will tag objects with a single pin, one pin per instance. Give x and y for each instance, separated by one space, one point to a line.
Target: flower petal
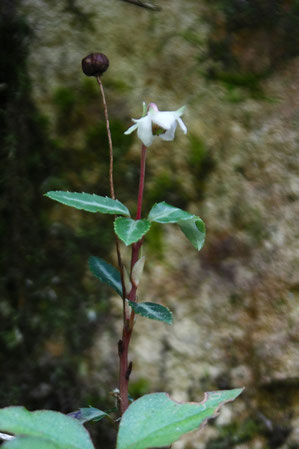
169 135
164 119
144 131
157 123
182 125
131 129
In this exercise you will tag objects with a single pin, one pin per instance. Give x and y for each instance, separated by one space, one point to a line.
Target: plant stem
123 344
141 181
112 193
124 374
109 138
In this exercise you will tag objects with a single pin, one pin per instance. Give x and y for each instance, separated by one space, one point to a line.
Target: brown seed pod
95 64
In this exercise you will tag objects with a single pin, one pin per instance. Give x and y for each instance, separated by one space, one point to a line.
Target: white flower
157 123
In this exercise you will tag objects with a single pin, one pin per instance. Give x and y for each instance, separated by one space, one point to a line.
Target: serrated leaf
152 310
88 414
89 202
106 273
30 443
155 420
195 231
130 231
165 213
58 429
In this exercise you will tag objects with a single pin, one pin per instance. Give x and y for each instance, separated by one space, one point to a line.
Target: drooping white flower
157 123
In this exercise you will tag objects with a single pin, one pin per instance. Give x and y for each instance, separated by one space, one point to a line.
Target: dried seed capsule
95 64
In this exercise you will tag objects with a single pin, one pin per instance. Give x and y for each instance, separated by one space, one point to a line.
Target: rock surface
236 302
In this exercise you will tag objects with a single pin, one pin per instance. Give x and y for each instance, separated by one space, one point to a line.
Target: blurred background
234 64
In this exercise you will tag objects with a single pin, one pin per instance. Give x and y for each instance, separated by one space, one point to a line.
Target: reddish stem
123 345
141 182
123 350
136 246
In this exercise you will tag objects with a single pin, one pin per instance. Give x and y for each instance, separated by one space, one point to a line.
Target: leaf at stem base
30 443
60 431
155 420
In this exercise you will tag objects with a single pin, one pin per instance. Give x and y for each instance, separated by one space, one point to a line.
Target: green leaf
155 420
106 273
152 310
191 225
61 431
30 443
165 213
90 203
88 414
130 231
195 231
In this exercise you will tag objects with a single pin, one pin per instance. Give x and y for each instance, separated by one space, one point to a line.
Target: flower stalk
112 193
141 181
123 344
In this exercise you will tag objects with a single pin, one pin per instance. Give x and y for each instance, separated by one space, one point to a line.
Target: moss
249 80
235 299
65 100
139 387
88 91
117 85
249 219
234 434
154 240
193 37
121 143
240 84
167 187
200 163
79 18
249 38
95 138
198 150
